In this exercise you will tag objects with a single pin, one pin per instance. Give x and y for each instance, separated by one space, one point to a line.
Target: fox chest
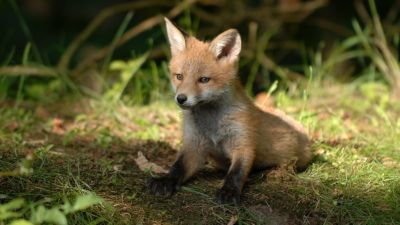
209 128
214 126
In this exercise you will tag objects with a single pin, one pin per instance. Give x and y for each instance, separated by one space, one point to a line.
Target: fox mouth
189 107
185 107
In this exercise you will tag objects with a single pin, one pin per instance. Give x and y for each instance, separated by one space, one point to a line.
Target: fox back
204 77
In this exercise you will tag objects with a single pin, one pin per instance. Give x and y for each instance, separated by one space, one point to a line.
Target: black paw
163 186
228 195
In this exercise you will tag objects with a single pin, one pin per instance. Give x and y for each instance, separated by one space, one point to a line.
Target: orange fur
220 123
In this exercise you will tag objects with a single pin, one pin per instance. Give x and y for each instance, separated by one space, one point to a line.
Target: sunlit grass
354 177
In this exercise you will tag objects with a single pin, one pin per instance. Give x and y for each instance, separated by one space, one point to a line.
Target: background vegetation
84 91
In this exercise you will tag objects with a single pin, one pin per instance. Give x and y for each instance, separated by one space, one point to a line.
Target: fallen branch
97 21
284 73
28 71
133 32
269 14
271 65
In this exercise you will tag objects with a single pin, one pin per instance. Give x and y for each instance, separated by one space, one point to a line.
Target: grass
91 147
73 161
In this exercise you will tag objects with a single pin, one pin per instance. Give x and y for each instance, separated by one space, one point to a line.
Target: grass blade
117 36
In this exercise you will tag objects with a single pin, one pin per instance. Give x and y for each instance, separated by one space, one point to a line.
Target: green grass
75 158
90 148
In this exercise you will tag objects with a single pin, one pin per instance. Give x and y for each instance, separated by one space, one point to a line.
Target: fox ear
227 45
176 37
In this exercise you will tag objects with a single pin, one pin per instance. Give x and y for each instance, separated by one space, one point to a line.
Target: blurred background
87 111
49 48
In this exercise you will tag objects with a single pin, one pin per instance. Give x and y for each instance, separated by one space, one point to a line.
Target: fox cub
220 123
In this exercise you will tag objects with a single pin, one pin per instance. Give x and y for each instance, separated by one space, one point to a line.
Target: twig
120 31
393 13
97 21
308 6
282 72
101 53
362 11
269 64
28 71
133 32
252 40
332 26
266 13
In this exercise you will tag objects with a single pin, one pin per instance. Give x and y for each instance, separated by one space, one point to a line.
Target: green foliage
24 167
82 202
17 210
53 215
117 36
376 93
355 128
44 91
353 178
139 82
104 137
7 210
20 222
126 70
150 132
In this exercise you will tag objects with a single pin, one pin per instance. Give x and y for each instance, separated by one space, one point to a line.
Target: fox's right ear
227 46
176 38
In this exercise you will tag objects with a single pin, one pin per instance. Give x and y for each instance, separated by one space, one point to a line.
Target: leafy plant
23 168
126 69
17 210
374 42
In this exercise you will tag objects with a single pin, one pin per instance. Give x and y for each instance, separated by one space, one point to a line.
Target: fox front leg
188 162
236 177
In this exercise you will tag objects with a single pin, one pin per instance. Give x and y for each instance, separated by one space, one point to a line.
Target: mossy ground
91 145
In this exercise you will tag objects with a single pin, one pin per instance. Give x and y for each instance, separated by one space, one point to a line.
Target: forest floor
91 145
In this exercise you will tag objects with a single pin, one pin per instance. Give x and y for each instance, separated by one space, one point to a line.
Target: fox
221 125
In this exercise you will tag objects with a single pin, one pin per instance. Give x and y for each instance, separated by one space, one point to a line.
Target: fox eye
179 76
204 79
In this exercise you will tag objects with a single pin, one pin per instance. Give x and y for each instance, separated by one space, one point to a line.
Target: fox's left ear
227 45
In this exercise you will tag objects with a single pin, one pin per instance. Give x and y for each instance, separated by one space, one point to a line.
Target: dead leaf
58 126
145 165
12 126
233 220
117 168
389 162
320 151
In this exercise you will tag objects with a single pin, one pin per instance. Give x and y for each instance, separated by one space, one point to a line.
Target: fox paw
228 195
163 186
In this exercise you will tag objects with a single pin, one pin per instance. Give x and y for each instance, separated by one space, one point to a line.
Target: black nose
181 98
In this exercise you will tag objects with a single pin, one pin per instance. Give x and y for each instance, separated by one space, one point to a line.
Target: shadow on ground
109 169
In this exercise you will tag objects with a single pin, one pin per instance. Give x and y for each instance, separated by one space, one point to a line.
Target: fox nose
181 98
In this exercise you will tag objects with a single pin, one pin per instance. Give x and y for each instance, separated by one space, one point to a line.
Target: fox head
202 72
